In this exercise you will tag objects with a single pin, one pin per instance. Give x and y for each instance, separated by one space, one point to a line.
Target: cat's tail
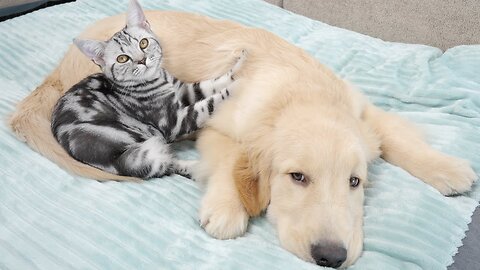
31 123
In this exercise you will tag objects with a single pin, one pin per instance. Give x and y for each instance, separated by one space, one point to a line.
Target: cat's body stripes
123 120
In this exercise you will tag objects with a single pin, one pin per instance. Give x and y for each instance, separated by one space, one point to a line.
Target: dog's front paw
450 175
223 219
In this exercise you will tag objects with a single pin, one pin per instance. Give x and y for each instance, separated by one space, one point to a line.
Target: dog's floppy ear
252 184
372 141
361 107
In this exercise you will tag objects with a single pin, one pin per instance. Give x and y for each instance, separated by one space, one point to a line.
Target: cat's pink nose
143 61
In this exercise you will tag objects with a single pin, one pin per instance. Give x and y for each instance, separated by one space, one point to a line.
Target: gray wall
443 24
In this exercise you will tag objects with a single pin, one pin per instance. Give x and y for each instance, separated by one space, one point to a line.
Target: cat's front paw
239 61
184 168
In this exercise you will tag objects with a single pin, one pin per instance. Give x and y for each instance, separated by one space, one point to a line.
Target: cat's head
130 55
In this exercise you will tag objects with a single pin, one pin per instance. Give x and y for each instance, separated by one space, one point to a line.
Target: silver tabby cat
122 120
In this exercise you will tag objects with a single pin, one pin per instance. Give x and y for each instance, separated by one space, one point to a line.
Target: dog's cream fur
288 114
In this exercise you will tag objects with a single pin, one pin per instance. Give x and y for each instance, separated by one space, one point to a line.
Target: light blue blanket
52 220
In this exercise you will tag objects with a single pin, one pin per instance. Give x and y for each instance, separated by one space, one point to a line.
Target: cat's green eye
143 43
122 58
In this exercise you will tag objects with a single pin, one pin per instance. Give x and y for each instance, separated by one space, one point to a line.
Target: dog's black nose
328 254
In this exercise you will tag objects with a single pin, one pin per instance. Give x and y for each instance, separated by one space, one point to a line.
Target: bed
50 219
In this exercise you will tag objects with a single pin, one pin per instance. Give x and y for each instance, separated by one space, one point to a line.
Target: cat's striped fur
123 120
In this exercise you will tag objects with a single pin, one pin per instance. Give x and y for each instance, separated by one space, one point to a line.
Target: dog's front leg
403 146
222 213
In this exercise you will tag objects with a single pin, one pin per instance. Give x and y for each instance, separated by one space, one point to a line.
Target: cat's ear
93 49
135 16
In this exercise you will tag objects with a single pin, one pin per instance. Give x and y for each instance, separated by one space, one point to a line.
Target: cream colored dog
294 139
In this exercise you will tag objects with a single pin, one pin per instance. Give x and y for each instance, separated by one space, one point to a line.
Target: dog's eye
354 181
298 177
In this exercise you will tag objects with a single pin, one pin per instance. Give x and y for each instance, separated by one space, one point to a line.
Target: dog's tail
31 123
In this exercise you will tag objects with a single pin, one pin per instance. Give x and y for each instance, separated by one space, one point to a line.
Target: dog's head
311 175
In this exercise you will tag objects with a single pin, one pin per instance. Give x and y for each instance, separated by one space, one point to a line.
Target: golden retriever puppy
294 140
